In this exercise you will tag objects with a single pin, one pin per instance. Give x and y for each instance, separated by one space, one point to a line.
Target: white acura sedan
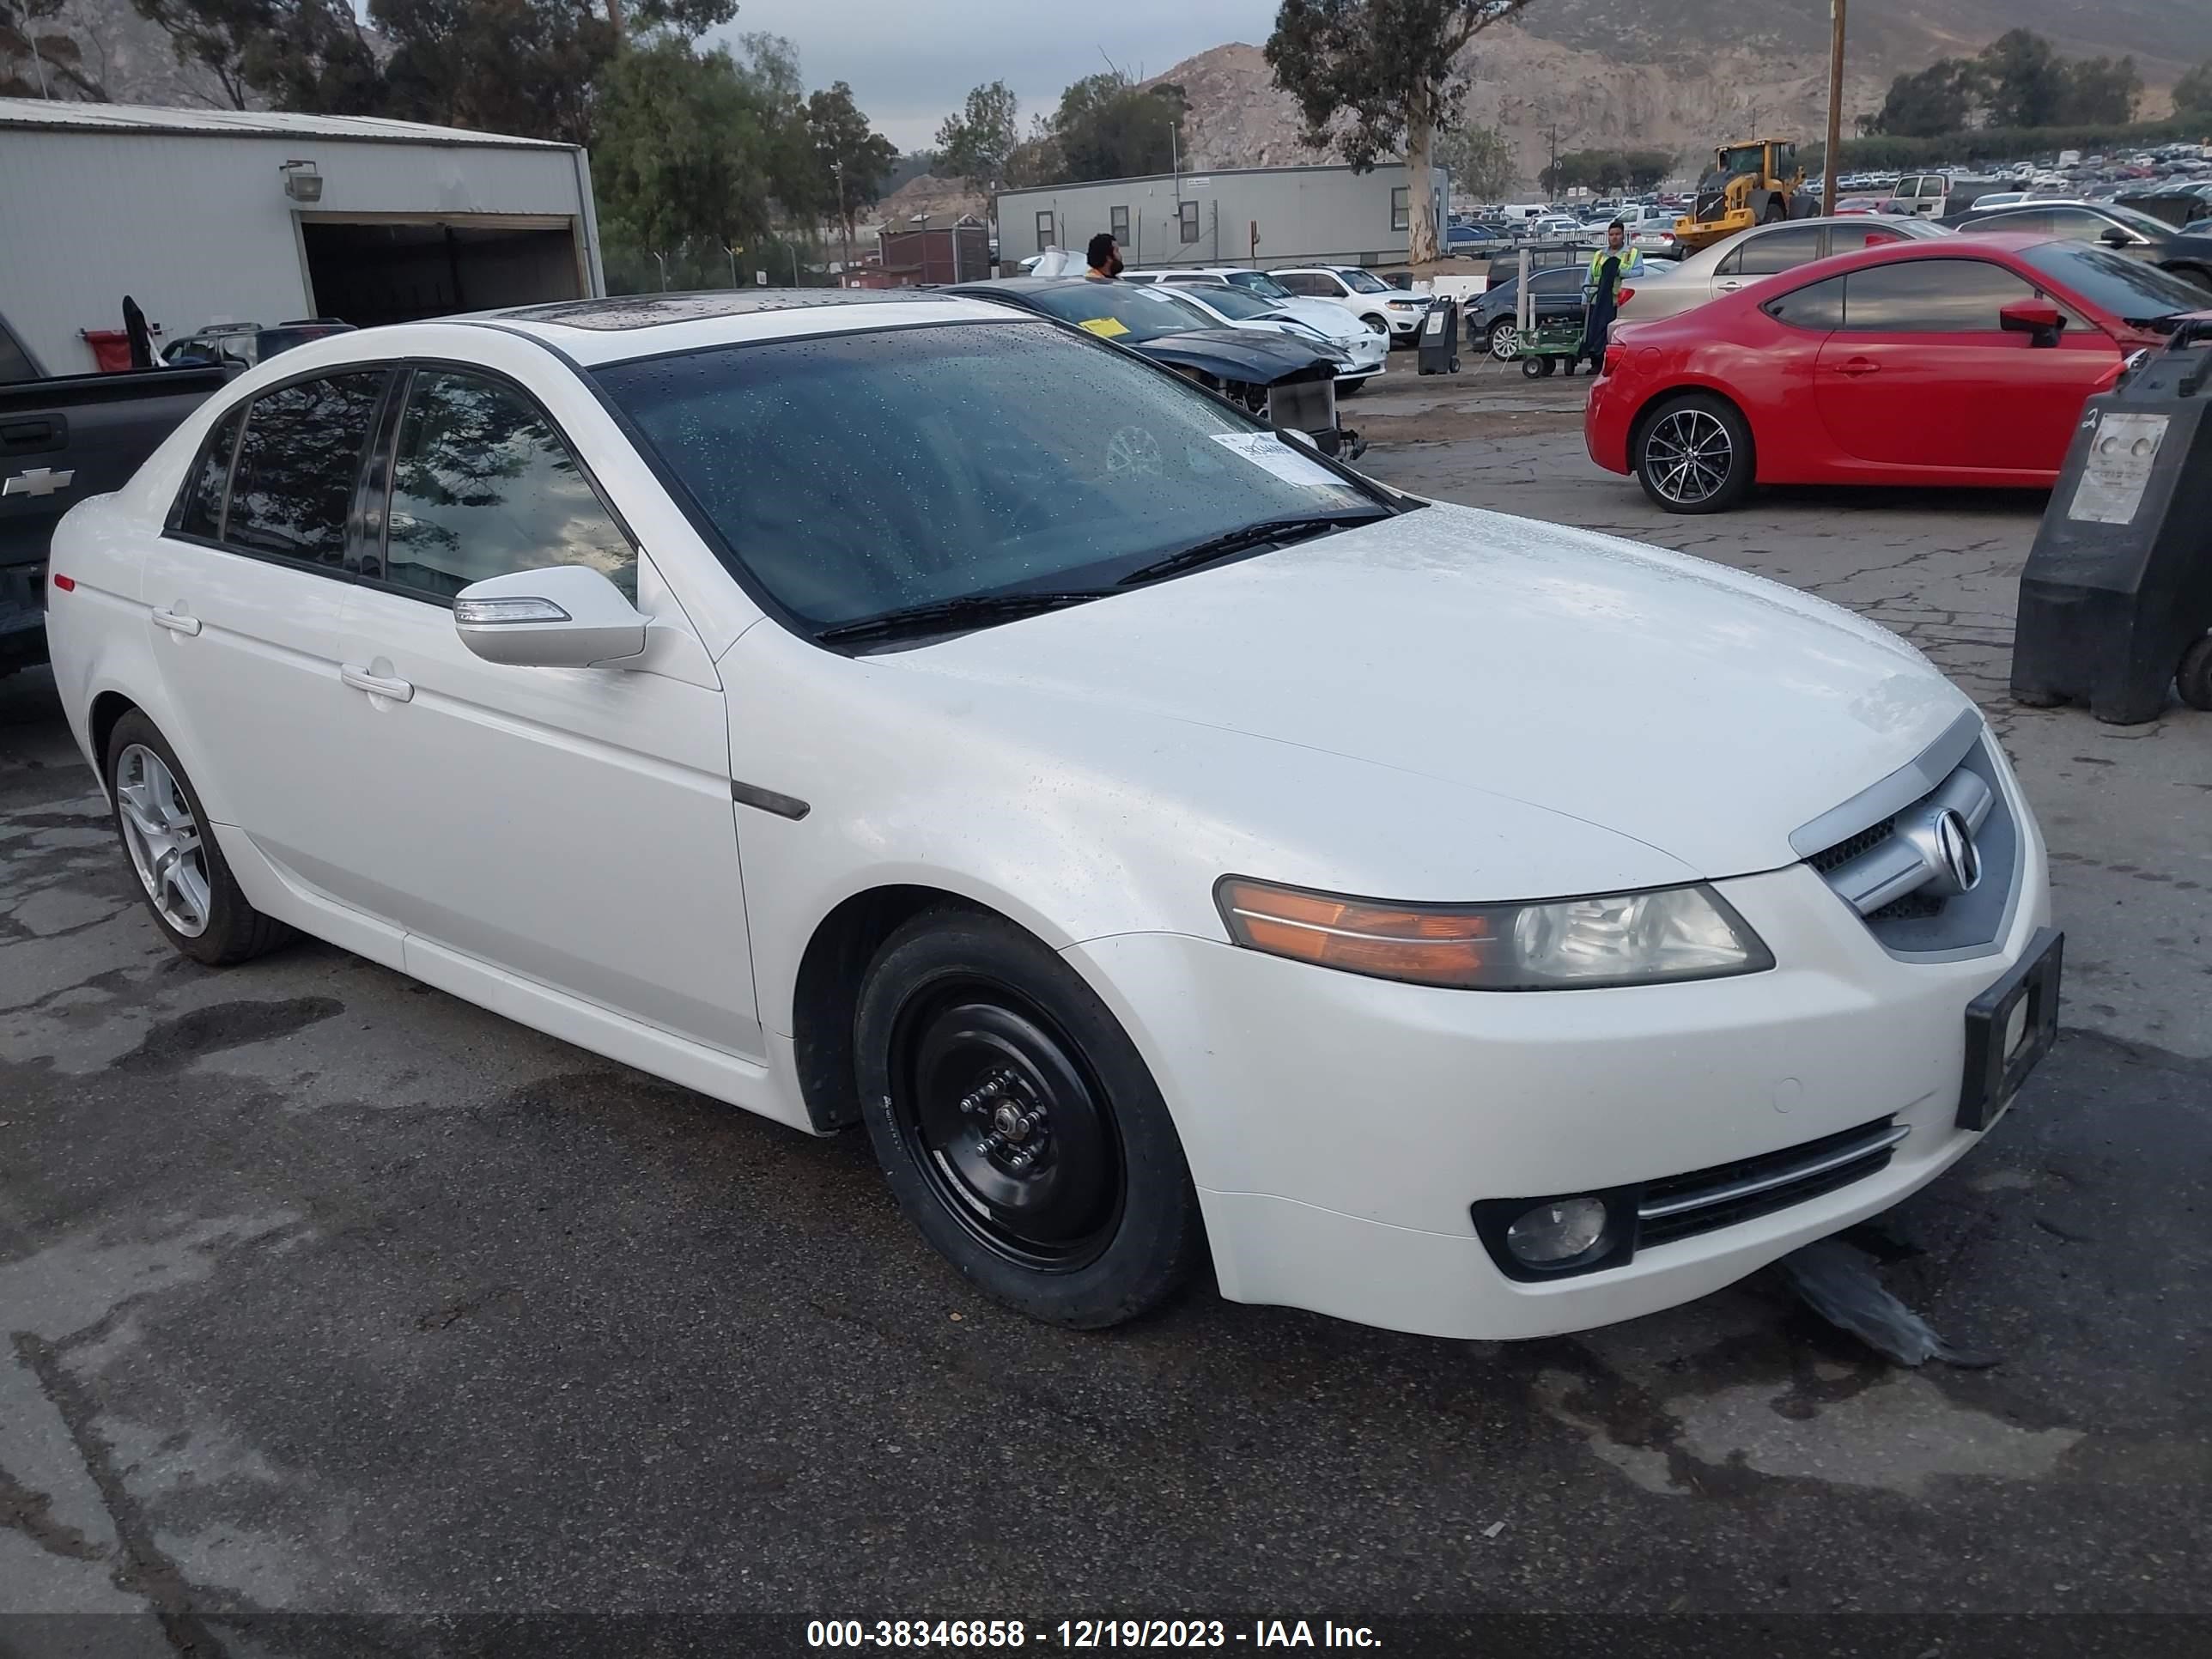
1170 845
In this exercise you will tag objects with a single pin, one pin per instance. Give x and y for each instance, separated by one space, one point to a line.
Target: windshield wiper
971 610
1251 535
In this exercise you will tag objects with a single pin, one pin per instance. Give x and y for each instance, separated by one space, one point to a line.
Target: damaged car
1291 383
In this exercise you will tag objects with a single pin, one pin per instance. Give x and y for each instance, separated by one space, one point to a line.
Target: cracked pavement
323 1292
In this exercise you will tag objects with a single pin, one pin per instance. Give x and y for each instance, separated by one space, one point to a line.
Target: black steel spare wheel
1017 1126
1017 1140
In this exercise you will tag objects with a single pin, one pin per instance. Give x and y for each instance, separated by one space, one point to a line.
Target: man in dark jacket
1609 267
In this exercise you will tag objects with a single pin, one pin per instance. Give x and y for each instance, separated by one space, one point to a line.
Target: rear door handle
375 685
177 622
1858 365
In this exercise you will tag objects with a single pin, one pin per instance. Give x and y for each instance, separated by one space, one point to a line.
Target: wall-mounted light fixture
302 182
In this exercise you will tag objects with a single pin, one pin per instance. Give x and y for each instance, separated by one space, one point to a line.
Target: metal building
1239 215
226 215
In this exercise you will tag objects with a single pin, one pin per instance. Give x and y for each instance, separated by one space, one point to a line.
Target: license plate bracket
2009 1027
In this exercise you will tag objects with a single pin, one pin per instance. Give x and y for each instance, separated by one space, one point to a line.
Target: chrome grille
1704 1199
1891 853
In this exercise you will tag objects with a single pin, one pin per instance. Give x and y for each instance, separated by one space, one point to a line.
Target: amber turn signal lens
1430 947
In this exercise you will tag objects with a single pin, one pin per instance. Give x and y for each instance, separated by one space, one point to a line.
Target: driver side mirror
565 616
2037 319
2116 237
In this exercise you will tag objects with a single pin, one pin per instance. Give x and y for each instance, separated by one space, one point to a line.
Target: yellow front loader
1754 183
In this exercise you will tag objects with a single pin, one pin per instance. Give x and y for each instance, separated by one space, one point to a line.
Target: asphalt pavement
326 1294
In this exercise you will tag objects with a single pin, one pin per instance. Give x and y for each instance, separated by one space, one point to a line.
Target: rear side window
199 511
482 485
2024 221
1930 297
1817 306
1781 250
298 462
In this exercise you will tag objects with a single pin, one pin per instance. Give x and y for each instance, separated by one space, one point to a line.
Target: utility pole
1835 108
1551 137
844 224
1175 155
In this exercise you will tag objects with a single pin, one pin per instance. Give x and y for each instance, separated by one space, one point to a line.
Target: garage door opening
367 274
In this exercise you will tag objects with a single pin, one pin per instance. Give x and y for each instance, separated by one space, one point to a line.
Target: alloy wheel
1505 343
164 839
1687 456
1008 1125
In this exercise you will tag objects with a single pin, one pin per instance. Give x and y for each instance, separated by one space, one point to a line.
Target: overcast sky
911 62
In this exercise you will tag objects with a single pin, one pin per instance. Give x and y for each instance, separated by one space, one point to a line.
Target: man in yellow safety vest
1609 267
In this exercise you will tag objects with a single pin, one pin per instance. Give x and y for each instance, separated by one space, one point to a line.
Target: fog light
1558 1232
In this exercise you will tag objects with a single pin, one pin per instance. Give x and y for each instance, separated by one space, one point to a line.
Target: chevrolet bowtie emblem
38 481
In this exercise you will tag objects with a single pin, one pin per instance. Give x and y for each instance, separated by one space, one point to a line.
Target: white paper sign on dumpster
2119 469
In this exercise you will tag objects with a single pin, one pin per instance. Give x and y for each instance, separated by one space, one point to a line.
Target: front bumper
1405 323
1339 1128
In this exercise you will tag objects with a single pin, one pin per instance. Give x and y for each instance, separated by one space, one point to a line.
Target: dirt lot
325 1293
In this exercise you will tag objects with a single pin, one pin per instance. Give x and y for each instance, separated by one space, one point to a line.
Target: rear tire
180 871
2193 679
1693 454
1018 1128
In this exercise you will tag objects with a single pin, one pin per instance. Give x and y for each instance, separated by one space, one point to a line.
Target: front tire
2193 680
181 872
1692 454
1018 1128
1504 340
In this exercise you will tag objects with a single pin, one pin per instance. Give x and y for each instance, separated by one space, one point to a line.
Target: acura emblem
1945 842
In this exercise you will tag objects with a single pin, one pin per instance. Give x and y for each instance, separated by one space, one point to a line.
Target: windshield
2157 229
1361 282
1115 311
1235 303
1744 159
2123 287
1267 288
864 474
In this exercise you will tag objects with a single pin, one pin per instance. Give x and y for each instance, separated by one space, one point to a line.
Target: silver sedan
1762 251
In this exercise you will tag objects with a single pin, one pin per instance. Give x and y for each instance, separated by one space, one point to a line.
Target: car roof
621 326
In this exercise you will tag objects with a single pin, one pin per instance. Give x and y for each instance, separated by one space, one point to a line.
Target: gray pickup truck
61 439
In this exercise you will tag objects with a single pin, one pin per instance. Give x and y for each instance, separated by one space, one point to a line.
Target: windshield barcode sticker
1277 455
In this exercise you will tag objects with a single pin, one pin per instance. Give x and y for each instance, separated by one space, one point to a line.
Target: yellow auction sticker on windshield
1105 327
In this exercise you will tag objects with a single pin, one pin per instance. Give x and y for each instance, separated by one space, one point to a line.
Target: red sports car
1952 361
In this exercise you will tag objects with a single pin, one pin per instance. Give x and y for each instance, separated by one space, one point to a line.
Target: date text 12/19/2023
1074 1635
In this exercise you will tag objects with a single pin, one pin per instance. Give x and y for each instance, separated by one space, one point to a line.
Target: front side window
1400 208
1266 287
1187 217
298 462
2024 221
869 473
1930 297
1363 282
482 485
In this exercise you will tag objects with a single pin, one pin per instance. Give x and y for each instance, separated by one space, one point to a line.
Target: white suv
904 711
1387 311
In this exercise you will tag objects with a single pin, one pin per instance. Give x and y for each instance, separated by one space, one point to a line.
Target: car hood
1703 712
1324 317
1261 357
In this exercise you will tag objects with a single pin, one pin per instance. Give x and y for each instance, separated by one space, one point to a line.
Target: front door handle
375 685
1727 287
1855 366
177 622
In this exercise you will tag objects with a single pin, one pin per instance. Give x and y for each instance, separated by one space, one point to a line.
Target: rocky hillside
1534 89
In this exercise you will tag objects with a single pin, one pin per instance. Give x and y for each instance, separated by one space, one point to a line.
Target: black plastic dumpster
1439 353
2116 602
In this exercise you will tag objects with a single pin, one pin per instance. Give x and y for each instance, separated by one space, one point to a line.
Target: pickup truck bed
62 440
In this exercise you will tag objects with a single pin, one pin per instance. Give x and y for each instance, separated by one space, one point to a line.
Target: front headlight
1556 945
